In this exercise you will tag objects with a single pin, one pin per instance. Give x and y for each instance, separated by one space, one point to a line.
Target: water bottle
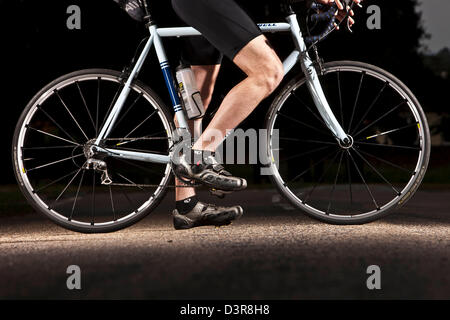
190 95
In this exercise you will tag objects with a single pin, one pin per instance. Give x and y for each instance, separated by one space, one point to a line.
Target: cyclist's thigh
222 22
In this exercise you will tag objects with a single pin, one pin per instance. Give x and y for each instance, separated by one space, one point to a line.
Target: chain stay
151 185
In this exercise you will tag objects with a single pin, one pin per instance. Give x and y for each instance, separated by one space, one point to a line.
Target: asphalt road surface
271 253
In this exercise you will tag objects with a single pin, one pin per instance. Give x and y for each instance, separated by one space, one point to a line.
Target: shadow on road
272 253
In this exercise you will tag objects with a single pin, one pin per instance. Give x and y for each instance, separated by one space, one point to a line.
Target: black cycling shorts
226 28
197 51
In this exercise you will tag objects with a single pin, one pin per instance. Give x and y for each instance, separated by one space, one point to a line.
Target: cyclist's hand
342 12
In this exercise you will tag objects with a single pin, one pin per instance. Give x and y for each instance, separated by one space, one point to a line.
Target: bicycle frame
300 54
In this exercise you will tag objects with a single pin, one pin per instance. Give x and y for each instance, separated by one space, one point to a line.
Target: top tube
189 31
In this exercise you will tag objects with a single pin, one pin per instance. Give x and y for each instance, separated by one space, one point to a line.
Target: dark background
37 47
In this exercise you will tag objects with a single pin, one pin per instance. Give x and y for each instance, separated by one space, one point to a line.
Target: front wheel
52 140
381 167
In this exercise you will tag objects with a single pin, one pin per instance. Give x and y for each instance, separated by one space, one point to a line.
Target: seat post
287 9
148 20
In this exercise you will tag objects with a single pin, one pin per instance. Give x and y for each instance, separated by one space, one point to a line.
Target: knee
271 76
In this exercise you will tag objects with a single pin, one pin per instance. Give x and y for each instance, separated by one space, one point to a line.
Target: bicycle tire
18 165
412 185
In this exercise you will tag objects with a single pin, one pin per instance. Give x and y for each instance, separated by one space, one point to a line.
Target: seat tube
168 77
313 83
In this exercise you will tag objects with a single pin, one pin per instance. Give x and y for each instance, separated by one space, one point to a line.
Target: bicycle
110 164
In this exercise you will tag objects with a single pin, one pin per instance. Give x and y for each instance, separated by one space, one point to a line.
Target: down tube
167 73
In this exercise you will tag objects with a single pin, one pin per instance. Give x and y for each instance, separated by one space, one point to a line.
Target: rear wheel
52 140
377 171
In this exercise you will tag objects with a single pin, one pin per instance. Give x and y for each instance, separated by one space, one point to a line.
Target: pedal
219 193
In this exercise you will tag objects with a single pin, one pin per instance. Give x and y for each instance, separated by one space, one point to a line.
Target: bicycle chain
151 185
135 139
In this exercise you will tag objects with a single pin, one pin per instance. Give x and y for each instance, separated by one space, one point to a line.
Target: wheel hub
347 143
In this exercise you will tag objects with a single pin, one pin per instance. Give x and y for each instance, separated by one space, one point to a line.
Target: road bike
347 141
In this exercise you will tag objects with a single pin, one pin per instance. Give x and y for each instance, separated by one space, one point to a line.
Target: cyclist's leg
232 31
205 61
264 73
190 212
206 76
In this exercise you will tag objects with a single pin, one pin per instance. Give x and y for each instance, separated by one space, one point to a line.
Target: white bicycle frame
300 54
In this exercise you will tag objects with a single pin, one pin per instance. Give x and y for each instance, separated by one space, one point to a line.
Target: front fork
314 86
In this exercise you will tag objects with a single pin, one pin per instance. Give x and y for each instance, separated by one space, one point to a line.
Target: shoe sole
218 220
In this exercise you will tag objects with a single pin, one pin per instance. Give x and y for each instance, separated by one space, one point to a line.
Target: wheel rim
53 138
316 172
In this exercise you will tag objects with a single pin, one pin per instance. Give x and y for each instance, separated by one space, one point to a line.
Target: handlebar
328 14
324 16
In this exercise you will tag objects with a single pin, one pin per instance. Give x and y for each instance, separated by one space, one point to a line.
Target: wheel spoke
57 124
86 107
305 153
54 181
390 131
363 180
113 102
76 196
55 162
356 101
340 97
128 110
123 141
335 183
139 125
311 167
349 176
52 135
309 141
387 162
388 146
379 119
125 178
305 124
67 186
112 203
93 199
97 106
371 106
70 113
126 196
321 178
47 148
377 172
309 109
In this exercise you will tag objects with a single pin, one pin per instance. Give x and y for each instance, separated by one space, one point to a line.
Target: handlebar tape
329 15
